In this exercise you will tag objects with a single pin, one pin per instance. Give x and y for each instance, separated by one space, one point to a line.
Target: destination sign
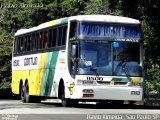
119 31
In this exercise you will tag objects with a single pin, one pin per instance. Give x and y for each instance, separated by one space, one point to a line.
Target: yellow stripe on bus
40 72
52 23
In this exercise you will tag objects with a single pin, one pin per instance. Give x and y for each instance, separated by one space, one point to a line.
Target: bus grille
111 83
120 83
103 82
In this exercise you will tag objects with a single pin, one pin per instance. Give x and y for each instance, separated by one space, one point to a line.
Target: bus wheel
65 101
28 97
74 102
22 93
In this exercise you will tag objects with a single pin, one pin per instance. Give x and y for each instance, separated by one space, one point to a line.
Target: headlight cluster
136 84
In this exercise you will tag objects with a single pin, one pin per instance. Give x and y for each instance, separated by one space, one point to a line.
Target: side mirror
74 50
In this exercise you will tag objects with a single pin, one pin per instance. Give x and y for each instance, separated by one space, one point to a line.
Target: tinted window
43 39
27 41
54 37
64 35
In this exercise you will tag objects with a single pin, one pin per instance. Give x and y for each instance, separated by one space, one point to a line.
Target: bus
95 58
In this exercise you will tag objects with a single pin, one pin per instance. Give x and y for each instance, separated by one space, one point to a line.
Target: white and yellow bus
79 58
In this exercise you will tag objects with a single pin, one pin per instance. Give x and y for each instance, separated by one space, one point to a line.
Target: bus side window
27 43
50 38
19 44
34 42
54 38
43 39
60 35
64 35
73 28
37 41
21 49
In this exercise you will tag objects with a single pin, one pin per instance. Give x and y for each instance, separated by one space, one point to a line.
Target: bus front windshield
109 58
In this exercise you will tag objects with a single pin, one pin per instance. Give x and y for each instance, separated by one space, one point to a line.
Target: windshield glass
95 57
126 57
102 57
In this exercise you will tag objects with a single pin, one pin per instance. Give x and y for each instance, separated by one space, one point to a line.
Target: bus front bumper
108 93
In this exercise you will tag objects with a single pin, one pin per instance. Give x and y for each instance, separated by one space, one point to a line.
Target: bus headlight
136 84
136 80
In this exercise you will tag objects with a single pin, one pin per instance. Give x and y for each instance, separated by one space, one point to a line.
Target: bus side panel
15 82
48 73
36 76
17 76
40 79
34 82
61 73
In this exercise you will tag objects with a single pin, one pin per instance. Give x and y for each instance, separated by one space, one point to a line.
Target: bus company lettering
30 61
16 63
95 78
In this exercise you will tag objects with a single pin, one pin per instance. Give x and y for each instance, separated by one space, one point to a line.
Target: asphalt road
52 110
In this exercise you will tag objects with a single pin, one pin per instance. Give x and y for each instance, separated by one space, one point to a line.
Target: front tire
65 101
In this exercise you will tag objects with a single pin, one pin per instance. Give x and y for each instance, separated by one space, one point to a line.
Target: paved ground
52 110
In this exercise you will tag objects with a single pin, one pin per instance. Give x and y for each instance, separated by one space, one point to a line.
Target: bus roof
93 18
43 25
105 18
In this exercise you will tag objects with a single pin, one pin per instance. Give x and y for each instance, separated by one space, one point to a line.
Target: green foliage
153 80
102 7
5 59
72 7
147 12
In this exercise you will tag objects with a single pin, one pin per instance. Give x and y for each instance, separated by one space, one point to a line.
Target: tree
18 14
103 7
